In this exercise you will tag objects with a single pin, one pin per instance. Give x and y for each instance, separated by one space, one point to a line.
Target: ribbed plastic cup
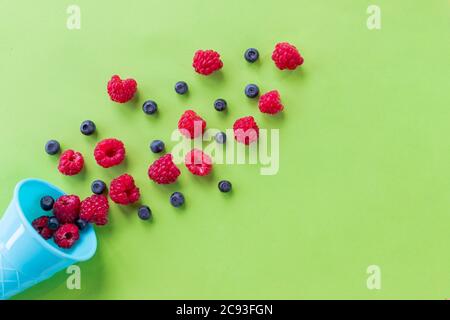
25 257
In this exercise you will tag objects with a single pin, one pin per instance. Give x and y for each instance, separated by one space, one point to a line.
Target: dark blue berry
225 186
87 127
47 203
181 87
98 187
157 146
81 224
221 137
177 199
53 223
251 55
251 90
52 147
220 104
149 107
144 213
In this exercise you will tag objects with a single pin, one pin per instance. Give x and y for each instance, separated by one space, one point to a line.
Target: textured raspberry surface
121 90
270 102
95 209
41 226
246 130
163 170
67 209
70 163
286 56
191 125
109 152
206 62
66 235
123 190
198 162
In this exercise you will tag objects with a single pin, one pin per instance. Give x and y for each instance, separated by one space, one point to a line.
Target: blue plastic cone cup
25 257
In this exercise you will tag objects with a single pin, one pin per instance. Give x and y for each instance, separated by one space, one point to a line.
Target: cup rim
42 241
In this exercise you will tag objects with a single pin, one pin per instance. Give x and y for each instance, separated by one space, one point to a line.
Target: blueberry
225 186
52 147
157 146
81 224
251 55
144 213
149 107
47 203
220 104
98 187
87 127
221 137
181 87
53 223
177 199
251 90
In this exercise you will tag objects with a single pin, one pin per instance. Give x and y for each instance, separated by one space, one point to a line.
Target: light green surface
364 175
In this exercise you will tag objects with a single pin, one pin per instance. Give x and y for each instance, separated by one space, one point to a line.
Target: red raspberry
41 226
191 125
207 61
70 163
67 209
121 90
66 235
198 162
95 209
123 190
163 170
246 130
109 153
270 102
286 56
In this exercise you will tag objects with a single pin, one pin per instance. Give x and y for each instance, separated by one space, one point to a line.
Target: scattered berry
206 62
144 212
251 90
163 170
149 107
121 90
220 104
191 125
181 87
81 224
87 127
198 163
225 186
70 163
53 223
251 55
95 209
157 146
66 236
52 147
177 199
98 187
67 209
109 153
47 203
41 226
286 56
221 137
123 190
270 102
246 130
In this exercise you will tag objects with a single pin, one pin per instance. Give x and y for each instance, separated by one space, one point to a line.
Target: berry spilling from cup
70 217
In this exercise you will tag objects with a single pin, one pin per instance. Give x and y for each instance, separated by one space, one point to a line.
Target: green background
364 165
